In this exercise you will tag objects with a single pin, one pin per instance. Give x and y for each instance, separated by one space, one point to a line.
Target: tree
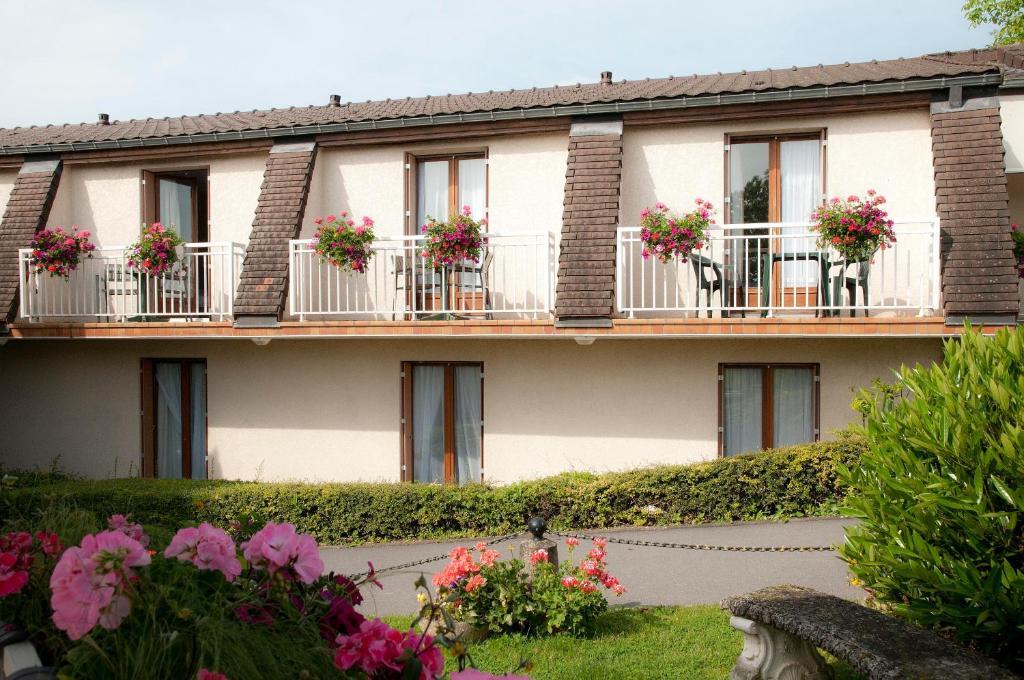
1007 15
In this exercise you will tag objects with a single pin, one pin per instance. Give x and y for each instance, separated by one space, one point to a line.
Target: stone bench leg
771 654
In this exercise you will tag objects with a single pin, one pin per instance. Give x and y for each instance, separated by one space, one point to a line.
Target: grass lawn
656 642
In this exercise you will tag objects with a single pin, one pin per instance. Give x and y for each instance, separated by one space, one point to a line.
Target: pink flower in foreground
89 583
538 556
474 582
132 530
11 579
377 648
205 674
278 546
209 548
572 541
601 543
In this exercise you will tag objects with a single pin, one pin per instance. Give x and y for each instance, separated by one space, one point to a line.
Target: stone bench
784 626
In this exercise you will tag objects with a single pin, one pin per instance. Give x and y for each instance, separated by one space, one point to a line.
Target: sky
65 62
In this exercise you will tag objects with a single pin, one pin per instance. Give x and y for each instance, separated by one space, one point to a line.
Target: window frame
406 415
198 177
149 434
767 399
774 141
412 163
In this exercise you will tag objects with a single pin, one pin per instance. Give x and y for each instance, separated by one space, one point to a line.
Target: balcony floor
933 326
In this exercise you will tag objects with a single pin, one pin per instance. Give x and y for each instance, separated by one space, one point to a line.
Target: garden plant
343 243
668 237
940 495
58 252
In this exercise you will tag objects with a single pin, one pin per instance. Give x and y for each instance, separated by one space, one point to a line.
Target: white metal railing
777 269
201 285
512 280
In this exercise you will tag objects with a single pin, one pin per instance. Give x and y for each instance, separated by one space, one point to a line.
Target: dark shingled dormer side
27 210
263 283
979 279
586 261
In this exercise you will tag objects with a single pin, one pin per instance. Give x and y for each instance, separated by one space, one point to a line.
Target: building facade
562 347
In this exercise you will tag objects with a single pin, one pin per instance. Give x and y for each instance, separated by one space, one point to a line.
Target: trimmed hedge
791 482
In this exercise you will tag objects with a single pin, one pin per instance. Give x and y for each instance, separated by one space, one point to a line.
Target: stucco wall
1011 111
106 199
527 177
888 152
329 409
6 185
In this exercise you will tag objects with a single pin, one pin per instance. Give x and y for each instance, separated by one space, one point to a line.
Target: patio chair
412 282
851 283
473 277
701 265
117 281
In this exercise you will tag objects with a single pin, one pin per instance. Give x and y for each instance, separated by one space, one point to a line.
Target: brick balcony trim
263 281
27 210
978 272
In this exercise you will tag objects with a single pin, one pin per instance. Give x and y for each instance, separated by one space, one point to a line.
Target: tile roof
946 64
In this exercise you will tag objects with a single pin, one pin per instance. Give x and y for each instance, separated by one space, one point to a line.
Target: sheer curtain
176 207
431 191
742 410
198 421
794 406
467 423
168 419
473 186
800 165
428 423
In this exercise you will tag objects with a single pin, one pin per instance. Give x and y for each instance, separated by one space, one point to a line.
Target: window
775 178
763 406
442 422
439 186
179 200
174 418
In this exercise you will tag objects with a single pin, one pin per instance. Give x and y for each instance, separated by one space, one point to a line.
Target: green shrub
791 482
940 493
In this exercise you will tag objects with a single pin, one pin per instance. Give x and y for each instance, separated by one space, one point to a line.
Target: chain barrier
694 546
428 560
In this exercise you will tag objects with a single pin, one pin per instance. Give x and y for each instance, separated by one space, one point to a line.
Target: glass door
174 418
444 416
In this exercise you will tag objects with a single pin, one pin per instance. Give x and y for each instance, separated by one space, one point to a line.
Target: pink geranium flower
205 674
278 546
538 556
90 582
207 547
132 530
377 648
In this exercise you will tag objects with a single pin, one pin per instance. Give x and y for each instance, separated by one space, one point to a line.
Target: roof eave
791 94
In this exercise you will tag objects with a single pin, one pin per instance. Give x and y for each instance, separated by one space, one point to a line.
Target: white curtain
428 423
168 420
473 186
176 207
794 406
467 423
198 421
742 410
431 191
800 166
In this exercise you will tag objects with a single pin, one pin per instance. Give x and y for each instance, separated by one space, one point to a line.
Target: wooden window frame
767 399
774 142
412 162
149 434
408 474
150 197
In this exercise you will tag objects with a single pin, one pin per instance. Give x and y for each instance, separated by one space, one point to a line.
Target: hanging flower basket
156 251
59 253
667 237
345 245
457 240
855 228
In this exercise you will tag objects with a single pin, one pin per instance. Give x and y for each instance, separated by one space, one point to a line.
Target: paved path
652 575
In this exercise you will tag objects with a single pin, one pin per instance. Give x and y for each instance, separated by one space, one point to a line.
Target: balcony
199 287
513 280
777 269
